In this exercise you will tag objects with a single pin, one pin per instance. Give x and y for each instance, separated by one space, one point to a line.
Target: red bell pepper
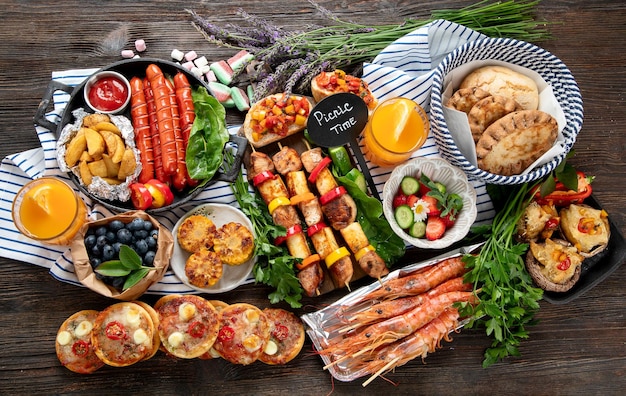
332 195
316 171
563 196
291 231
261 177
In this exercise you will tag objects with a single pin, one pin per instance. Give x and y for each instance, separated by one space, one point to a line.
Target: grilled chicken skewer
340 210
272 189
287 162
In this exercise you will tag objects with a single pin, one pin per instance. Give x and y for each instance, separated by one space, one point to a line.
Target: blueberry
116 225
101 241
118 282
96 251
90 241
95 262
140 234
154 233
136 225
148 258
124 236
111 236
116 247
152 243
141 247
108 253
101 230
147 226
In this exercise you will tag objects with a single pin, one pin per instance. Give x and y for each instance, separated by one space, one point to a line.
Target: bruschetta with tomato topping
328 83
275 117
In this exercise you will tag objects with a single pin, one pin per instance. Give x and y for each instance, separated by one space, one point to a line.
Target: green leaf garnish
112 268
135 277
129 258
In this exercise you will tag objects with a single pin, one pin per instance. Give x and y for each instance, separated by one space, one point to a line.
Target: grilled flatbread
486 111
515 141
465 98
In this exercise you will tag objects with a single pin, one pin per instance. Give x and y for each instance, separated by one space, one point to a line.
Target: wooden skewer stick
382 370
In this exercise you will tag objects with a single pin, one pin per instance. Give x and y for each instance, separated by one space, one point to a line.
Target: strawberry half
433 206
449 220
399 199
435 228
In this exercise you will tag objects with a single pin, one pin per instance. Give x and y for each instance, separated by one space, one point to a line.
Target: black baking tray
594 269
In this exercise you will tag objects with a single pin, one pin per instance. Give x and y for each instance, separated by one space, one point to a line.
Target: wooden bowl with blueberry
122 256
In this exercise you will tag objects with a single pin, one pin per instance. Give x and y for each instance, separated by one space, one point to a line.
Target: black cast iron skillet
130 68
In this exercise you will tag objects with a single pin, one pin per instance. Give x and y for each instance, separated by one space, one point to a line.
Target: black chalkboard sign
337 119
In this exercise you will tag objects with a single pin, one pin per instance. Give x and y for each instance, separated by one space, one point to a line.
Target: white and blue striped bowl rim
524 54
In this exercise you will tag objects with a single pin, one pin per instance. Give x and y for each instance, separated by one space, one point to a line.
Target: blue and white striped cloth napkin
404 68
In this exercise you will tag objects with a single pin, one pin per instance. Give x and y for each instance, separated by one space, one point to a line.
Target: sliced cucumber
404 216
409 185
418 229
358 178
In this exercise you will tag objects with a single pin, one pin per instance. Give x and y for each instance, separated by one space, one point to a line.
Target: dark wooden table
578 348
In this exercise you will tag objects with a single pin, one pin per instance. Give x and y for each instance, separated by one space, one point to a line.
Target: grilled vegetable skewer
274 193
340 210
287 162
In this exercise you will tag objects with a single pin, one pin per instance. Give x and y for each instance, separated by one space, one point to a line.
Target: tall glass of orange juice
48 210
398 127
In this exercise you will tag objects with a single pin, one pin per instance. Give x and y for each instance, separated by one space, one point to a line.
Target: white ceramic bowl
527 55
233 275
453 178
97 77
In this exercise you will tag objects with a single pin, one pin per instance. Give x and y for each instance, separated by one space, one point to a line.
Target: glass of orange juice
49 210
398 127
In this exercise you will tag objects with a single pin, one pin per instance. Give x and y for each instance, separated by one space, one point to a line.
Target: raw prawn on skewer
391 308
420 282
422 342
393 329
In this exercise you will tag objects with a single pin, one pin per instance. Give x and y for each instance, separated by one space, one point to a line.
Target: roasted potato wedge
107 126
85 173
113 168
75 148
93 119
98 168
128 164
95 143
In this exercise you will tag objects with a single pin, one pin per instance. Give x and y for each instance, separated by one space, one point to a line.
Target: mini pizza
156 340
275 117
188 325
243 334
73 343
123 334
329 83
212 353
286 337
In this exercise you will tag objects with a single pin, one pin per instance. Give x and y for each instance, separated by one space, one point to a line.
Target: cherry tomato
80 348
196 329
226 333
564 265
280 332
140 196
164 189
115 330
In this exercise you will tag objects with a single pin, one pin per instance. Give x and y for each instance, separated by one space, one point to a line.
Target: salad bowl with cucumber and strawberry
429 203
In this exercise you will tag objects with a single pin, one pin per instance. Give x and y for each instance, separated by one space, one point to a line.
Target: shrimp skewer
426 340
395 328
420 282
391 308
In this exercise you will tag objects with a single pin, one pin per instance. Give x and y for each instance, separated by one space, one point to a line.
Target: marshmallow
191 55
140 45
127 54
177 55
240 98
220 91
223 72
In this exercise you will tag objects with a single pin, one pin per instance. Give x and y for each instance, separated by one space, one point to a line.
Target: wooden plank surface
578 348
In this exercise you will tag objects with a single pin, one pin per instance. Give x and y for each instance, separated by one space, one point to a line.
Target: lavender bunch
287 61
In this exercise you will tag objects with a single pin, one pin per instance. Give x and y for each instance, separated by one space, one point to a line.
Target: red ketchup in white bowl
107 92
